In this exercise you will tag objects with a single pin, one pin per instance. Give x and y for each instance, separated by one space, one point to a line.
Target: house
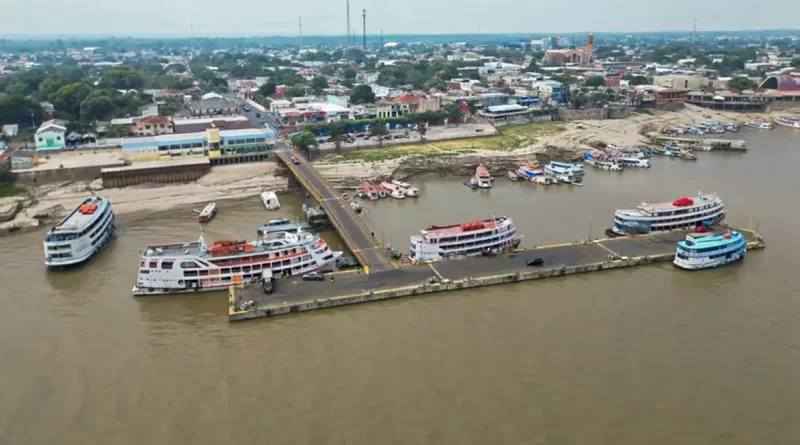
50 135
152 125
10 130
198 124
419 104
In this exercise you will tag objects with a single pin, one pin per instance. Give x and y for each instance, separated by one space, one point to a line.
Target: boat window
226 270
166 264
144 271
153 264
236 269
189 265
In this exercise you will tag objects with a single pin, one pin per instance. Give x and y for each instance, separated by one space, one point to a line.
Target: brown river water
651 355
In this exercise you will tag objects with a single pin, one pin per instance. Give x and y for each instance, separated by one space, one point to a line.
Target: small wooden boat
207 213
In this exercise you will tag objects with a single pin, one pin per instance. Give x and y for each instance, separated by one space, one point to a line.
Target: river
651 355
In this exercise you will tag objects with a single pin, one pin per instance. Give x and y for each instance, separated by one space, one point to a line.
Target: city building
783 89
50 135
222 143
10 130
563 56
152 125
729 100
198 124
493 99
386 110
550 89
419 103
505 113
213 107
342 101
682 81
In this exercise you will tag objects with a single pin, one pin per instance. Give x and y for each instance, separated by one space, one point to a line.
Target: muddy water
652 355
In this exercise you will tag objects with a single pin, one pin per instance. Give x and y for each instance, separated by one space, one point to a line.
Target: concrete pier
352 287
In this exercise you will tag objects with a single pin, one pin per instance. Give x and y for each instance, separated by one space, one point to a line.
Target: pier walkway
355 233
351 287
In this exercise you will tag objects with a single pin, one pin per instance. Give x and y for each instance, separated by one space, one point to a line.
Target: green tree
268 89
295 91
98 105
318 84
338 129
741 83
796 62
454 113
15 109
639 80
362 94
439 84
305 142
67 100
122 79
566 79
595 81
379 130
349 73
422 128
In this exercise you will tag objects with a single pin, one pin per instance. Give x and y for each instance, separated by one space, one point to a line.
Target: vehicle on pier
683 213
193 267
708 250
468 239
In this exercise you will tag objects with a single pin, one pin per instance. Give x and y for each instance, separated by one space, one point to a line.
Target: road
358 237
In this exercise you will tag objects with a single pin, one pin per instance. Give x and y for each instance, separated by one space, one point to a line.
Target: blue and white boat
83 233
564 171
707 250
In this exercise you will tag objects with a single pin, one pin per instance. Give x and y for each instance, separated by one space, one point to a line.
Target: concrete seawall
237 294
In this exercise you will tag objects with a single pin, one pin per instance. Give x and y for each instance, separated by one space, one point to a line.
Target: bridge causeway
355 233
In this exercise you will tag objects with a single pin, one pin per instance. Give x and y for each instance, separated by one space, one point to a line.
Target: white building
342 101
50 136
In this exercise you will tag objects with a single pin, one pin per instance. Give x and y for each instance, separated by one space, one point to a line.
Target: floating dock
353 287
714 143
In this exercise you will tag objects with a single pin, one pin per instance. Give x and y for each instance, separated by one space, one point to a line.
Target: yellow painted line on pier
435 271
609 250
550 246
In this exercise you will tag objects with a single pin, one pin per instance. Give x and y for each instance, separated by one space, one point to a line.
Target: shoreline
557 140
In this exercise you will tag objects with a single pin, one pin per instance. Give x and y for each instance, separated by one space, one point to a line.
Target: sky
328 17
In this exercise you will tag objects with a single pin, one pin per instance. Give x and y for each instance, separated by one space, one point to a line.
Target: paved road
355 233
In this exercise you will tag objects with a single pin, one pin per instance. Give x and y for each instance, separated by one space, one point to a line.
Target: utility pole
364 27
694 32
300 31
191 30
348 23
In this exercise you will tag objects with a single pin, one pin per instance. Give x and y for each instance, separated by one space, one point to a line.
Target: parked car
295 160
258 115
314 276
535 262
246 108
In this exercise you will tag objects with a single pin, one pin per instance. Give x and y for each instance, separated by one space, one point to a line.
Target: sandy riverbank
524 145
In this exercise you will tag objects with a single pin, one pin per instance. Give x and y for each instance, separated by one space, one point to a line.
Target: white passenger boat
683 213
564 171
208 212
270 200
635 162
483 177
193 267
83 233
393 190
410 190
468 239
759 124
789 121
709 250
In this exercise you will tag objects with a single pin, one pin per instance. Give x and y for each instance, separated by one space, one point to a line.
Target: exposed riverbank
513 146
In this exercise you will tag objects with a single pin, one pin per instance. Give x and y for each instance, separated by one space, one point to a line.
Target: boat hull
77 262
709 264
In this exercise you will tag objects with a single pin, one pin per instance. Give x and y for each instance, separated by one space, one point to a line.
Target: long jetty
294 295
355 233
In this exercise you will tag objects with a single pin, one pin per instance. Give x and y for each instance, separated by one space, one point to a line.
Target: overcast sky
327 17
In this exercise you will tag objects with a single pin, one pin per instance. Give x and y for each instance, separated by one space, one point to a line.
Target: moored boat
708 250
789 121
194 267
759 124
564 171
370 191
393 190
270 200
410 190
208 212
461 240
483 177
282 225
683 213
81 234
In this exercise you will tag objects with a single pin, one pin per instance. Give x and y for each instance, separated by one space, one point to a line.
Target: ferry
194 267
369 191
410 190
83 233
483 176
604 164
759 124
680 153
707 250
282 225
634 162
683 213
207 213
789 121
564 171
469 239
270 200
393 190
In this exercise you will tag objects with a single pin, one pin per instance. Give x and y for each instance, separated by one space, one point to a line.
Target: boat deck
351 287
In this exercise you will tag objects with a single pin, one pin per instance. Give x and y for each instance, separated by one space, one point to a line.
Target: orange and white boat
484 178
370 191
193 267
393 190
468 239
